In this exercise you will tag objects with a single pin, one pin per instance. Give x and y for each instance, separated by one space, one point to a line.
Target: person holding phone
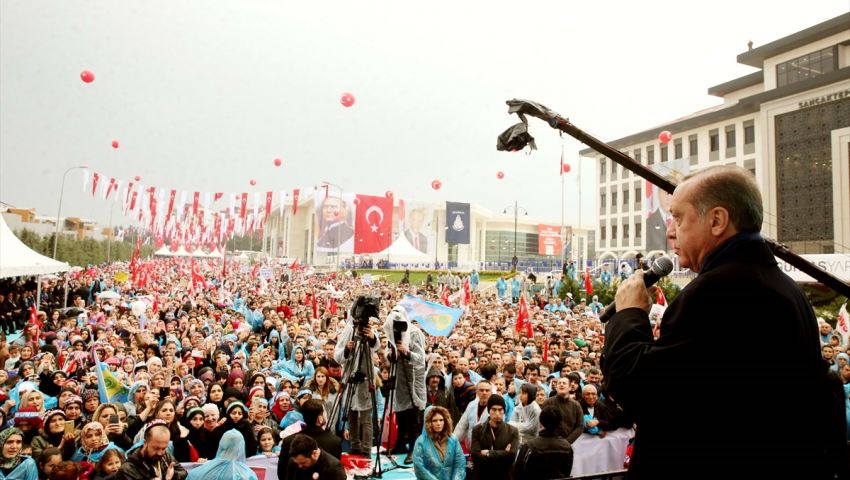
54 433
108 416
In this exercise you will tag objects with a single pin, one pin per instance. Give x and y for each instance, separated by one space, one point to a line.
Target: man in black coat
308 461
313 413
684 430
548 455
494 443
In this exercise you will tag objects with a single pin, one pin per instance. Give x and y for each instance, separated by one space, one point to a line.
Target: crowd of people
132 381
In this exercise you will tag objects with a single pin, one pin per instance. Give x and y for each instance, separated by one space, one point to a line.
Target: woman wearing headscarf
299 366
93 443
13 464
281 405
237 419
52 434
437 454
229 462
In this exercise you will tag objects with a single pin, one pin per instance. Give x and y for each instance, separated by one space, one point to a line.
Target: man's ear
718 218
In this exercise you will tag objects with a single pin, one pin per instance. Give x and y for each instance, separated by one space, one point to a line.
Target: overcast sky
205 94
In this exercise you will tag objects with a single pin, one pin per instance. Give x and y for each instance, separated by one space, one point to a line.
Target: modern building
788 123
19 219
491 243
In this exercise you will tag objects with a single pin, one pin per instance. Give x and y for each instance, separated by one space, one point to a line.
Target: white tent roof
401 250
17 259
163 252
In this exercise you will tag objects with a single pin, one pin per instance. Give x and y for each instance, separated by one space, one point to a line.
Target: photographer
407 350
357 329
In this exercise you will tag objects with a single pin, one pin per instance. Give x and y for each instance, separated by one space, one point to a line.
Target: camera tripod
361 361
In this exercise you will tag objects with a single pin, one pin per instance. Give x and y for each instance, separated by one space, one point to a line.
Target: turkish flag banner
373 224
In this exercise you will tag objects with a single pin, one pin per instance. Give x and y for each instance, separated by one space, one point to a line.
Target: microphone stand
556 121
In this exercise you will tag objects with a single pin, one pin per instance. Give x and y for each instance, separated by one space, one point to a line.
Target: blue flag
109 387
436 319
457 223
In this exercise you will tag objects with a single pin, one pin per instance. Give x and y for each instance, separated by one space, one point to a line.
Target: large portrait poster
334 221
416 223
657 204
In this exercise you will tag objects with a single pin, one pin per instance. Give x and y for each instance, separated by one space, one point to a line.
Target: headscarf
104 440
12 463
229 462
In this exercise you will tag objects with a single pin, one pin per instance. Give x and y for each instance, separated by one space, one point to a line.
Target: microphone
661 267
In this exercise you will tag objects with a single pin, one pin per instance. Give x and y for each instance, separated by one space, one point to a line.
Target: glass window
614 198
730 136
637 229
663 153
613 232
602 231
807 66
749 134
650 155
602 198
714 141
602 165
636 155
677 148
625 231
693 145
625 195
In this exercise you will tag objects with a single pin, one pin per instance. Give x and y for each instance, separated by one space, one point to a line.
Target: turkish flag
522 316
588 287
373 224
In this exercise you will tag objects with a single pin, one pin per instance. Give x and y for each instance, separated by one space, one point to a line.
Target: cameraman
406 345
360 412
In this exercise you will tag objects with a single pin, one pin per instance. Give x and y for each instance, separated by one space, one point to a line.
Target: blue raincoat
229 462
427 463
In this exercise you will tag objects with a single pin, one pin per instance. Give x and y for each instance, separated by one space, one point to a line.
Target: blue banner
457 223
436 319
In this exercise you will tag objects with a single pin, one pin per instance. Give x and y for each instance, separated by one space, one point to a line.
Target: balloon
389 194
566 168
87 76
436 184
138 178
115 144
356 201
253 182
500 175
347 99
665 137
277 162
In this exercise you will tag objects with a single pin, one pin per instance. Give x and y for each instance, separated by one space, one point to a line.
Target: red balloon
253 182
138 178
500 175
436 184
87 76
356 201
665 137
566 168
389 194
277 162
347 99
115 144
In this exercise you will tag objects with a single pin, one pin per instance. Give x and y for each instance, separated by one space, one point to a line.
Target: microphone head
662 266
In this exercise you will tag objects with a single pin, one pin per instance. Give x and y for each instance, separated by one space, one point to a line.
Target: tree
81 252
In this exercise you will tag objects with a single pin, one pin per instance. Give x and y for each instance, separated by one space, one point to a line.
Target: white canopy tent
181 252
401 251
17 259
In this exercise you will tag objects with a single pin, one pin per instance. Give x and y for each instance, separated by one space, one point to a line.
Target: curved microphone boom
661 267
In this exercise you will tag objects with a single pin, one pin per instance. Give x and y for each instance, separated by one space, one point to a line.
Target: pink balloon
356 201
665 137
436 184
87 76
277 162
137 178
566 168
500 175
115 144
253 182
389 194
347 99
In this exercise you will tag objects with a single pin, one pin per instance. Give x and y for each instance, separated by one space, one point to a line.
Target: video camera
363 309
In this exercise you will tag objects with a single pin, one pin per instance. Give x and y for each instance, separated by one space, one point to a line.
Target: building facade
492 237
788 123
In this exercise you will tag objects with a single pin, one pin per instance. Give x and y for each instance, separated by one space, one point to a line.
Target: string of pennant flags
190 218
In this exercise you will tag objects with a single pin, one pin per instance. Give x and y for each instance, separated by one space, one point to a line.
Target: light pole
59 210
341 202
516 208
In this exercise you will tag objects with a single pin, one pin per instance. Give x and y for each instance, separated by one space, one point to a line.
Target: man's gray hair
733 188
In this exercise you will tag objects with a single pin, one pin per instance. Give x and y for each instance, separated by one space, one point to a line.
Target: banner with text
548 240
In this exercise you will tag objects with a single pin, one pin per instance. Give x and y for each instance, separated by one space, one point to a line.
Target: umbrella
109 295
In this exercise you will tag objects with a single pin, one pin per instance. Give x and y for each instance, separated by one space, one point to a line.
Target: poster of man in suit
658 205
414 229
334 222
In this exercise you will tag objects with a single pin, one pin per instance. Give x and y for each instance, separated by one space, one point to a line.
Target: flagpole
563 244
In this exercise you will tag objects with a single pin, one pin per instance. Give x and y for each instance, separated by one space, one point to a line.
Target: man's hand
169 474
401 348
633 294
